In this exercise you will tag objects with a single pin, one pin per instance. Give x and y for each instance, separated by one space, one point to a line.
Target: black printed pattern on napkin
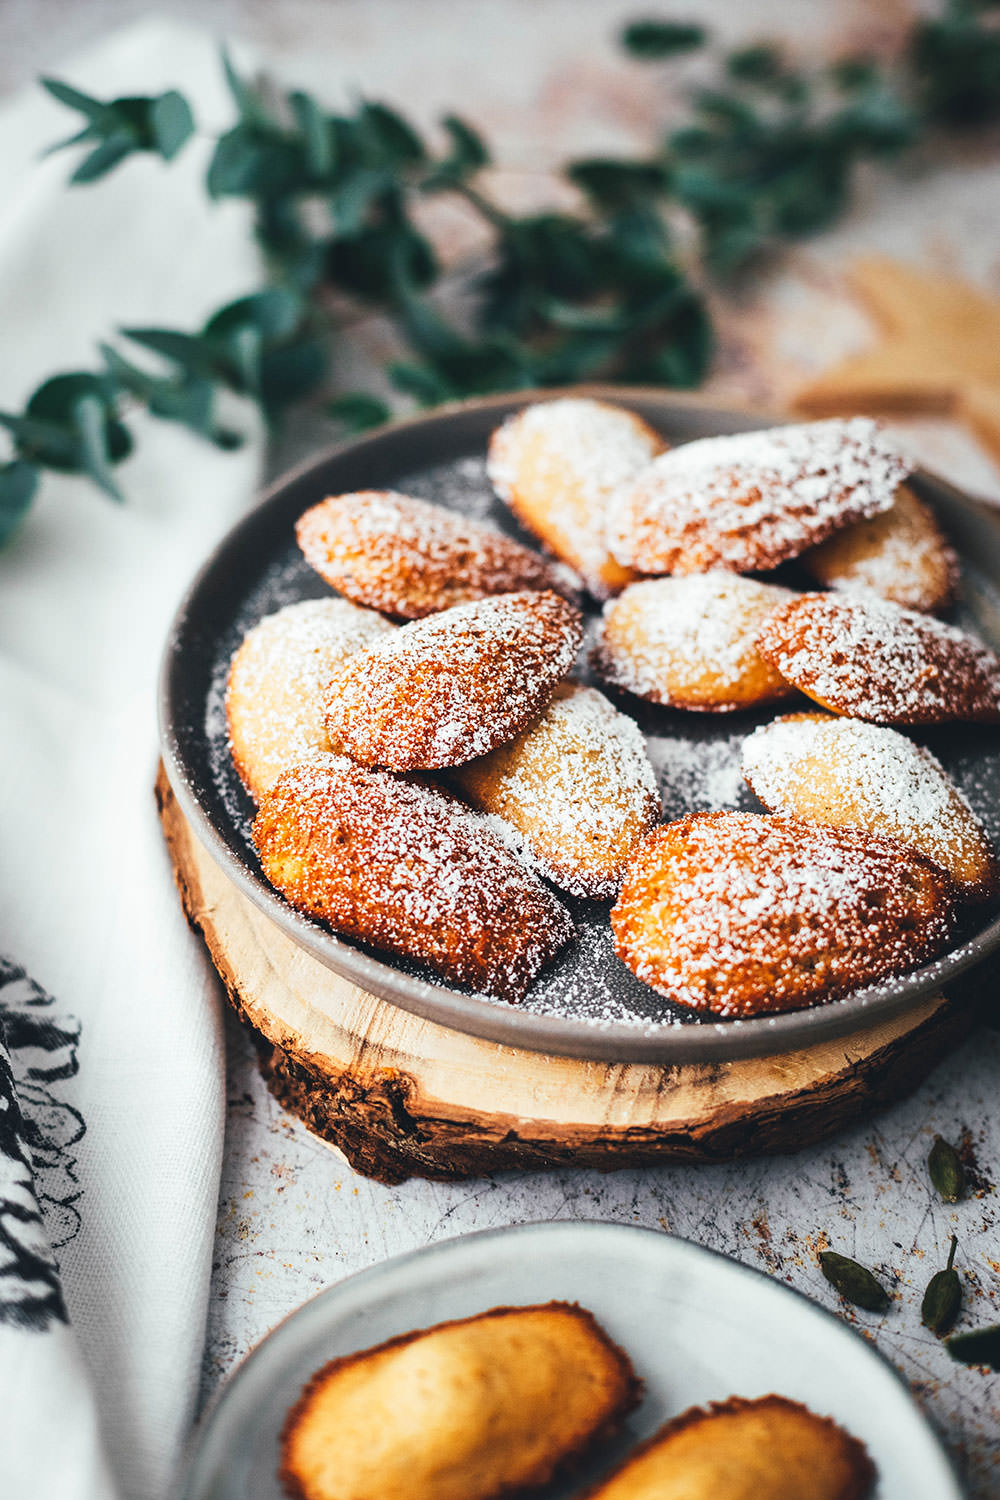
38 1183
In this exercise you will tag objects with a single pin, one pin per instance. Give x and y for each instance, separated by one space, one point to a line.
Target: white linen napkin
117 1119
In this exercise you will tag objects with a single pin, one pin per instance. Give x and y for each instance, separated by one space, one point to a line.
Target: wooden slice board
404 1097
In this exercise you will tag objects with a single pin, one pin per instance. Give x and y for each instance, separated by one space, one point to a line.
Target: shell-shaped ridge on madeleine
749 501
455 685
741 914
407 869
870 659
410 558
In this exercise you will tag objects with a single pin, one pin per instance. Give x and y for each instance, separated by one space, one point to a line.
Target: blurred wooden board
403 1097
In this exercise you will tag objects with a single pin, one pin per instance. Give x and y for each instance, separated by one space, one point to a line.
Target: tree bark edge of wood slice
404 1097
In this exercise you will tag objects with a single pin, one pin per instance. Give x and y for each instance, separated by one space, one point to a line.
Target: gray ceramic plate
698 1327
587 1004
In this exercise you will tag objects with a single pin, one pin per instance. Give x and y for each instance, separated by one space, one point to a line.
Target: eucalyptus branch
767 154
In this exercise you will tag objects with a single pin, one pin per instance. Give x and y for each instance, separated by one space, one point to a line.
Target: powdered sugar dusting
407 869
578 786
576 453
851 773
698 775
453 686
872 660
750 500
739 913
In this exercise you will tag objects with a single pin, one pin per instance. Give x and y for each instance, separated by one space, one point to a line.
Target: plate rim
710 1041
206 1422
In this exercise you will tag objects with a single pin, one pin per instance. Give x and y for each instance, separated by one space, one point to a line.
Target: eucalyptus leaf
357 412
54 445
388 137
112 150
172 123
95 458
292 371
247 99
188 350
18 485
73 98
651 40
317 133
274 313
613 184
468 149
757 64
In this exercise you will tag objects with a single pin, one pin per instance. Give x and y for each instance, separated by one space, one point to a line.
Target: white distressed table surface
544 80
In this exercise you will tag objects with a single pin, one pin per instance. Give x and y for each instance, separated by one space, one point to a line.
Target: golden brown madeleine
557 463
277 679
455 685
768 1449
691 642
749 501
900 555
483 1407
410 558
577 784
406 868
852 774
742 914
869 659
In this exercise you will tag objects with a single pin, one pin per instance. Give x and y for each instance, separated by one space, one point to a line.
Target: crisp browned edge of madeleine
862 1477
238 761
632 1393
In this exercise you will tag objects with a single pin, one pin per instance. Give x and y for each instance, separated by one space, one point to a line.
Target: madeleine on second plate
692 642
852 774
577 784
768 1449
483 1407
